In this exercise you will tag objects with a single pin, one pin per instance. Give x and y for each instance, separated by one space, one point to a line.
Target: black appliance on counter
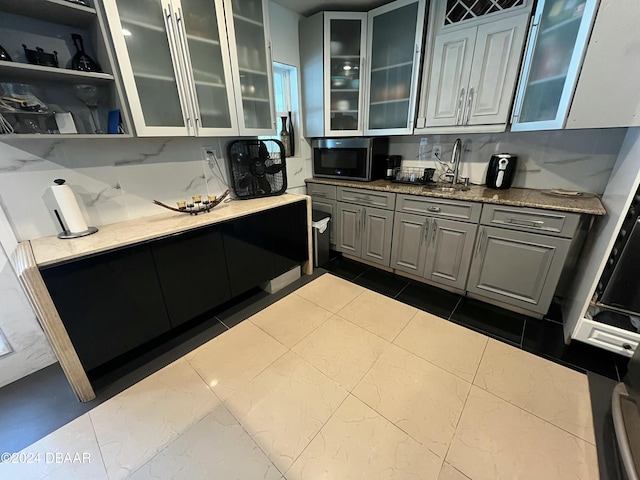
502 169
361 159
390 164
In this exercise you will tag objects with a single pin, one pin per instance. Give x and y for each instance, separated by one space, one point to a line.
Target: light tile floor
334 382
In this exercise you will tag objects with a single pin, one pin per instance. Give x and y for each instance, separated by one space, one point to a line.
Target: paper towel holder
65 234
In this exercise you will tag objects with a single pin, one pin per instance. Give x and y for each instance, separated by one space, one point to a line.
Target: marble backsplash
570 159
113 179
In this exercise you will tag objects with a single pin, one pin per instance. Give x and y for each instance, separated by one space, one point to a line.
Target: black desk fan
257 168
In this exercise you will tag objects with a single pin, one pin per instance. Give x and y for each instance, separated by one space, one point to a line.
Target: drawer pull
316 193
526 223
434 209
626 346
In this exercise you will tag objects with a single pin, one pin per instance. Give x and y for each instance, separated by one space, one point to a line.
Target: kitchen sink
446 187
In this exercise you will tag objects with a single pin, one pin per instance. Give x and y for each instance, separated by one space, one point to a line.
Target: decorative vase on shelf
292 137
285 138
81 61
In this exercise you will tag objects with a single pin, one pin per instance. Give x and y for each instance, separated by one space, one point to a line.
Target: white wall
570 159
284 39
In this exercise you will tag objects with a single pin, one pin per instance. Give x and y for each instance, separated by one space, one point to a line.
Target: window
285 86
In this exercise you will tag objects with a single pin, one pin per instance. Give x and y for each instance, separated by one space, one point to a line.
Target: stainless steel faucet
456 155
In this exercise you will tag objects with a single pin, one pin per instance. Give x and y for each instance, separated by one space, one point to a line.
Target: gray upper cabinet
194 67
360 71
449 252
474 72
332 50
473 65
394 46
517 268
557 43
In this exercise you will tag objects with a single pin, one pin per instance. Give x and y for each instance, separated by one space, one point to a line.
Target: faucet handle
465 181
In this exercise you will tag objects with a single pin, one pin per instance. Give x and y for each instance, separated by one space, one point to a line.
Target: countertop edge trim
50 321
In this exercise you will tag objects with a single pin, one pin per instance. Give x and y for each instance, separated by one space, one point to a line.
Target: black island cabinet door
193 273
290 240
109 304
264 245
248 248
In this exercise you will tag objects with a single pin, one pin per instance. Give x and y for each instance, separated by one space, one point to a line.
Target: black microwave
362 159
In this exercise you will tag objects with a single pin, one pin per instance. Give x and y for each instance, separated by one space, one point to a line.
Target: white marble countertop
51 250
517 197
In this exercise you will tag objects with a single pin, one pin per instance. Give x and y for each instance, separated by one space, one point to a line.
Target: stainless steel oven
361 159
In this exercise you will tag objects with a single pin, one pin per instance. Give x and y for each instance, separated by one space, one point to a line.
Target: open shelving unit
49 24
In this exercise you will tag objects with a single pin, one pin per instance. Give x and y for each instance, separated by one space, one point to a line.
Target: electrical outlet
436 152
209 152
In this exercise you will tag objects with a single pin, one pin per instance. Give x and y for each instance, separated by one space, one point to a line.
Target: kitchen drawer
439 207
606 336
319 190
559 224
370 198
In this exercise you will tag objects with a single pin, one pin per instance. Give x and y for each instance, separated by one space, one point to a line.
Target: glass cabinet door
345 36
145 51
209 65
246 23
395 34
554 54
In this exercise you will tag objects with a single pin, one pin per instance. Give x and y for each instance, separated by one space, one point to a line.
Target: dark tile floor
36 405
544 337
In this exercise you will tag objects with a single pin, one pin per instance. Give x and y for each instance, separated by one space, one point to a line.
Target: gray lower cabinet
349 238
330 207
323 199
436 249
408 252
364 232
449 252
377 232
517 268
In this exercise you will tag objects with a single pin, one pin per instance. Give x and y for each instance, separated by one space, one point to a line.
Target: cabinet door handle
469 104
434 226
460 102
434 209
627 346
479 246
168 23
425 232
191 82
364 220
526 223
358 220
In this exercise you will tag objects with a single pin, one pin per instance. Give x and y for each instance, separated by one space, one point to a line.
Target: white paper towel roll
69 208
